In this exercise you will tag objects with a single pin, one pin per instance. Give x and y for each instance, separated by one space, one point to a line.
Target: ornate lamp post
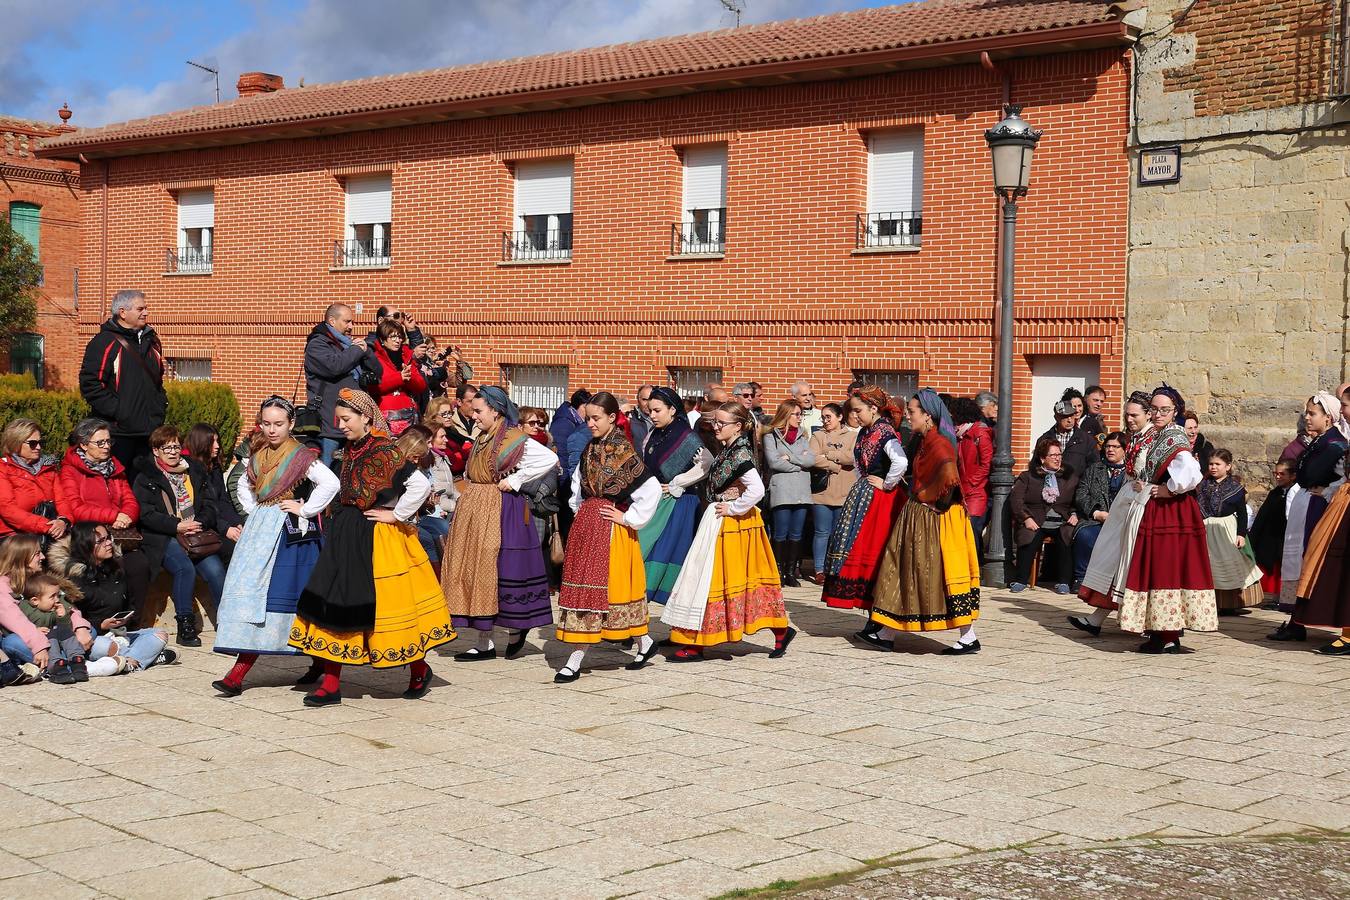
1011 143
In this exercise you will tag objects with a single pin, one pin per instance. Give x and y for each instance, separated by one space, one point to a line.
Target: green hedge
23 381
56 412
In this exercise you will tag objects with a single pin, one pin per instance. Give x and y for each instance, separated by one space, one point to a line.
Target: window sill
536 262
376 267
187 273
899 248
683 257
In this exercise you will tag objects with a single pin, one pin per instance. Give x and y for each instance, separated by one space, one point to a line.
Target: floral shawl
1136 451
871 443
731 463
1164 447
274 473
371 467
611 468
497 454
934 472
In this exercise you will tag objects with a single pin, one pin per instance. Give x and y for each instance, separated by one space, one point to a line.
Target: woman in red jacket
28 483
93 487
975 454
399 376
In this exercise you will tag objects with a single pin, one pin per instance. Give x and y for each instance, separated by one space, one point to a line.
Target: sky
113 61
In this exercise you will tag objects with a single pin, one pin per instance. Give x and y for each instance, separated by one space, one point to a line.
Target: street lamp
1011 143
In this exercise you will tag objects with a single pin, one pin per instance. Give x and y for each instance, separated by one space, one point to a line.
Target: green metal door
25 355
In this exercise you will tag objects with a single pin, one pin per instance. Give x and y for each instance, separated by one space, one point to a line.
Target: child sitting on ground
42 605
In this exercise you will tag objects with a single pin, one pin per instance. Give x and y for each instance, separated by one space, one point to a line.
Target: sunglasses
33 445
534 422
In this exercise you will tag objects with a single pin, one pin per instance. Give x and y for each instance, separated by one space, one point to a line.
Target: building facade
42 200
683 210
1238 271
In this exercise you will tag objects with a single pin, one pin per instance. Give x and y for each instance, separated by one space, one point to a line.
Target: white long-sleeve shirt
1183 473
326 487
752 491
534 462
899 465
641 507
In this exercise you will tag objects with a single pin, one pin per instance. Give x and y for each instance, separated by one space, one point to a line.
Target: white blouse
641 507
415 494
326 487
899 464
1183 473
537 460
752 491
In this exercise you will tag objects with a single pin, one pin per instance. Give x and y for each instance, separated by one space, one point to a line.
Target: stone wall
1238 274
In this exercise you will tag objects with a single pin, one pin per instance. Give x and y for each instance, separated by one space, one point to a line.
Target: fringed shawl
934 471
1214 495
731 463
371 467
670 451
274 473
611 468
871 442
1160 453
496 455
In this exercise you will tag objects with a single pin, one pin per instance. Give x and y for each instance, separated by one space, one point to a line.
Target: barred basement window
693 382
900 385
190 368
541 386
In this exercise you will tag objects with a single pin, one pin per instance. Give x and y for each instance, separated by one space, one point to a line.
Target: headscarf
1344 423
1330 405
499 400
1171 393
670 398
366 406
931 403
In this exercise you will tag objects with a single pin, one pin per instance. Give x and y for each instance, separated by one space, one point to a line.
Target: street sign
1160 165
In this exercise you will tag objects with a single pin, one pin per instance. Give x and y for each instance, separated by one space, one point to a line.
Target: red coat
393 392
86 496
975 457
20 491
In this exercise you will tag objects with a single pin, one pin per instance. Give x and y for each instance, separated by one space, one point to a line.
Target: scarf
871 441
1213 495
934 472
181 486
670 451
1050 489
370 467
366 406
733 461
273 473
1138 448
105 468
346 342
932 404
34 467
1164 447
1115 477
496 454
498 399
611 468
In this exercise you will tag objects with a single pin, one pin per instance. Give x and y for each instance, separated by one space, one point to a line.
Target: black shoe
781 648
419 689
962 649
642 660
517 644
874 639
1082 624
311 675
187 631
1338 647
229 690
319 698
1156 644
475 654
167 657
566 676
60 673
78 669
1289 631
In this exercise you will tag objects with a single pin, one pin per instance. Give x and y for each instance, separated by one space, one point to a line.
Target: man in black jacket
331 362
1079 447
122 377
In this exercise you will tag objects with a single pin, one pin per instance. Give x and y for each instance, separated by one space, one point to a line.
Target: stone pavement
678 781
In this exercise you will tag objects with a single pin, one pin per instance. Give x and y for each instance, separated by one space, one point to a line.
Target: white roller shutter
895 171
369 200
705 177
544 188
196 209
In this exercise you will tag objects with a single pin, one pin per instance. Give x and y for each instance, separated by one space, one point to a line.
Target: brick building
1238 272
42 199
799 199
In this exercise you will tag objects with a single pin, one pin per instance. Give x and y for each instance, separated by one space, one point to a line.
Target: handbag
308 421
128 538
820 480
200 544
556 551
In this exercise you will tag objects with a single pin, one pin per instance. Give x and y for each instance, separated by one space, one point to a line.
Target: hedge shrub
22 381
191 402
56 413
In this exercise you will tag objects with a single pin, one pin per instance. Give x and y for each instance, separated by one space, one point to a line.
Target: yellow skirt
626 616
745 595
929 578
410 613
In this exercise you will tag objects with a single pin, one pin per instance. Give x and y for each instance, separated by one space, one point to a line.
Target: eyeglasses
103 539
34 445
534 422
171 448
718 424
106 442
1161 410
446 414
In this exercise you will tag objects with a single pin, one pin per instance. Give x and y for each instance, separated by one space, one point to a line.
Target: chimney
253 83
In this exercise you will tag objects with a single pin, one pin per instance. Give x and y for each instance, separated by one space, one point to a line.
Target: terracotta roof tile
929 22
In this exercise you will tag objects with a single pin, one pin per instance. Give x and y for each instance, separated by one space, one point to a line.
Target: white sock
967 635
100 668
574 661
644 644
485 641
1098 616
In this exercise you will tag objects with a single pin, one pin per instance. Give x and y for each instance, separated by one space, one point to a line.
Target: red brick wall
1256 54
55 187
789 299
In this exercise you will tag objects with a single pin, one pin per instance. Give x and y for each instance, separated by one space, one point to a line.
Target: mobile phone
125 614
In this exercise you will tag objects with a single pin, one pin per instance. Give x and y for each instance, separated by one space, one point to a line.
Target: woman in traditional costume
1169 587
868 515
729 586
1324 583
1318 471
282 492
929 578
678 459
493 570
1104 581
1223 503
372 598
604 583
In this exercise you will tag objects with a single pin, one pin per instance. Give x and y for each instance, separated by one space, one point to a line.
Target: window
26 354
190 368
26 220
541 386
196 231
543 228
369 217
702 227
894 216
693 382
900 385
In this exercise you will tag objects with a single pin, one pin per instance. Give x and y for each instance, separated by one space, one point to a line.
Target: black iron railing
528 245
888 229
187 259
705 234
361 254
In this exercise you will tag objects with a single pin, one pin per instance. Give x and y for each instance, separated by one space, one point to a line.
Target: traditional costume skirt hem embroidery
930 575
1170 587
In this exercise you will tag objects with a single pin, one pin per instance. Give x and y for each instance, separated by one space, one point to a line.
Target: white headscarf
1331 405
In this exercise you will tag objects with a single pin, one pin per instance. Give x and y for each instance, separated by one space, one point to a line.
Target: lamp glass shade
1012 165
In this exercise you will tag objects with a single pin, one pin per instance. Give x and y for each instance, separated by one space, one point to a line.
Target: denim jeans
327 447
1083 542
18 651
789 522
146 645
184 572
825 517
977 525
429 529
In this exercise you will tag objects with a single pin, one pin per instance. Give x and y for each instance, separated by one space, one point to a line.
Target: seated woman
1042 507
90 561
1096 492
28 483
203 445
176 502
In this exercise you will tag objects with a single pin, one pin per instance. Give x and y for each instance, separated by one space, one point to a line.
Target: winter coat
159 508
1094 493
87 496
118 387
789 479
13 621
21 491
395 394
1026 502
328 369
577 440
975 457
834 452
105 590
565 421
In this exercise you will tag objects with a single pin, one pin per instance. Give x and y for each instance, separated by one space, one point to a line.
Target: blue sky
113 61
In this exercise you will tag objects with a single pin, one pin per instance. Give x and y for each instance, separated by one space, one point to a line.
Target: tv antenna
213 70
735 7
